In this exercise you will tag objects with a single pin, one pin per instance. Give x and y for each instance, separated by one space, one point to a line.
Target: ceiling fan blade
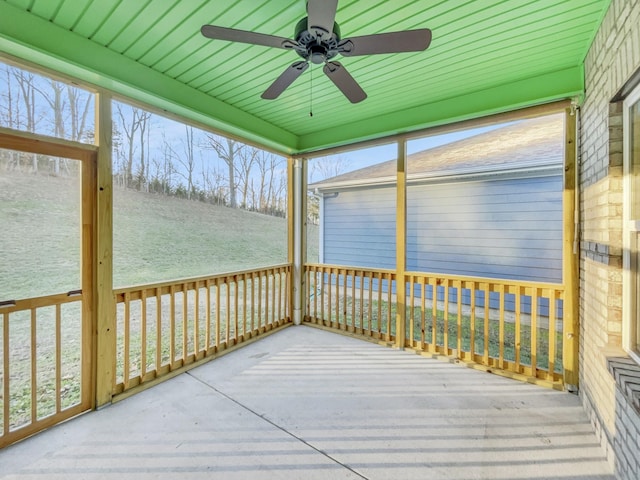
344 81
253 38
322 14
392 42
284 80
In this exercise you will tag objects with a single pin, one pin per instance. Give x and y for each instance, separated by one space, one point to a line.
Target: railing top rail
10 306
495 281
204 278
350 267
444 276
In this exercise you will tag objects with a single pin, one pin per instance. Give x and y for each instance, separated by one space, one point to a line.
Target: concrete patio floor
309 404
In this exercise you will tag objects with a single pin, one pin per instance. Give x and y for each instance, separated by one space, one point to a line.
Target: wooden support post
290 234
401 228
88 260
298 184
105 322
570 257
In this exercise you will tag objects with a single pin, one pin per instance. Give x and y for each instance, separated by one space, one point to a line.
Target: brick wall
611 61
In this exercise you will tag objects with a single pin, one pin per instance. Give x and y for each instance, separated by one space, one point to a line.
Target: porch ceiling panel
486 57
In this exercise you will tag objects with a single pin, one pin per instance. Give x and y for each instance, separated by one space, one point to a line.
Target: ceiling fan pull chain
311 92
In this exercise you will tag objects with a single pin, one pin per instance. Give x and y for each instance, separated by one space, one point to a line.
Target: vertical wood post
570 257
105 322
299 184
401 230
88 260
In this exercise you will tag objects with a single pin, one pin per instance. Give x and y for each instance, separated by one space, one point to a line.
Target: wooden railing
512 327
352 299
164 327
43 375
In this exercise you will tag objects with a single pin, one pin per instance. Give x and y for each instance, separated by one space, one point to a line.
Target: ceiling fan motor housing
316 44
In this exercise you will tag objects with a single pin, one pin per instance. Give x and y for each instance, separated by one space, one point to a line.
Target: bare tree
79 105
163 169
268 187
321 169
131 127
9 111
186 159
212 181
227 150
26 85
326 167
246 159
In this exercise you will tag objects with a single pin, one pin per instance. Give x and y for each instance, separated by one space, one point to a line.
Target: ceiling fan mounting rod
314 44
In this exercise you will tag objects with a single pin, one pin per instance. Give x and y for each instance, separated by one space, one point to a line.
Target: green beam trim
31 38
567 83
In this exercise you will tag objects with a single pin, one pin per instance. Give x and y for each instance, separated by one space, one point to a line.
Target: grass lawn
381 311
156 238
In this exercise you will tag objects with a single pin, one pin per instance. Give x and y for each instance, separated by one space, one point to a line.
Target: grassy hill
155 237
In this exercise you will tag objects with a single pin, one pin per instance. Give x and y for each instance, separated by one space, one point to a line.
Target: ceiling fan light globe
318 58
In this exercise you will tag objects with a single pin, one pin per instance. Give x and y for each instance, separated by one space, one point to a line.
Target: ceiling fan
317 39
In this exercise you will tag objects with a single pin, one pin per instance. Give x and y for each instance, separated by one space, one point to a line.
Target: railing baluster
267 303
472 320
445 313
217 286
143 334
172 324
434 314
58 358
196 320
227 321
236 306
287 293
501 294
389 304
158 329
329 290
354 320
253 301
370 304
273 297
207 327
279 277
379 304
34 369
339 308
487 309
6 373
534 332
423 315
185 323
459 319
552 335
316 293
127 338
411 309
518 320
259 302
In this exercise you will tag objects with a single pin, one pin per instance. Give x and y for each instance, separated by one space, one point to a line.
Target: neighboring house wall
500 228
359 227
497 226
612 59
494 227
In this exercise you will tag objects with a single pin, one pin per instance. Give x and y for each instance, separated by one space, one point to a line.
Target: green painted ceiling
486 56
